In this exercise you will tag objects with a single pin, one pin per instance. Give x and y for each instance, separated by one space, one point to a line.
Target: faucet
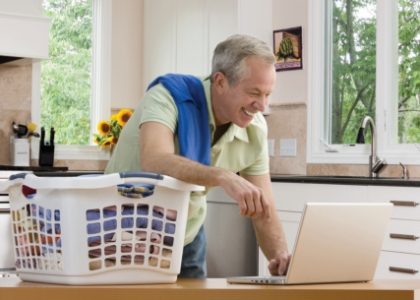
375 163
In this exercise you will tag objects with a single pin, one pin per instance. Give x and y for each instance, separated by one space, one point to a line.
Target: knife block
46 149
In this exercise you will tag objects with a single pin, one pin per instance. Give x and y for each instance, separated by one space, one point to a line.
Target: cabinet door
180 36
159 39
222 23
403 236
293 196
191 37
393 265
406 200
231 243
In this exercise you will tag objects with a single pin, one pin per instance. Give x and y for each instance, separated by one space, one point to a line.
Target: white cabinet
395 265
24 36
400 256
405 199
180 35
293 196
231 243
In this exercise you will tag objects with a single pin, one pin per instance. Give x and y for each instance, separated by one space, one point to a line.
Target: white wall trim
101 71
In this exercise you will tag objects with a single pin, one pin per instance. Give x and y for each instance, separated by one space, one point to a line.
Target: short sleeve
159 106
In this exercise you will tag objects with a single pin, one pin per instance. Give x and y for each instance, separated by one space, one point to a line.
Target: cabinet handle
403 270
403 236
4 210
404 203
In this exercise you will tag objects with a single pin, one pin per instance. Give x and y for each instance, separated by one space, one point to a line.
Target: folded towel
193 120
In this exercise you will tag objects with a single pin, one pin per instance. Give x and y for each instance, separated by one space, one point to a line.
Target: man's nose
261 104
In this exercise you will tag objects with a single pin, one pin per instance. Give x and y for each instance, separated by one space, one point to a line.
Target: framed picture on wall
287 45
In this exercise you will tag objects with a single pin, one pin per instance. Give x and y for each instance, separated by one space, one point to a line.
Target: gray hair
229 56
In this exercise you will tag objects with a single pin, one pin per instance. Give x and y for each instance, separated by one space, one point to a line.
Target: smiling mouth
248 113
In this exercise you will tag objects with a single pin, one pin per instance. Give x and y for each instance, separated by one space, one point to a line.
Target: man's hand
250 198
279 264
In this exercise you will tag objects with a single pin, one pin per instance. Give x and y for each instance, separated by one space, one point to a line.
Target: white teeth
248 112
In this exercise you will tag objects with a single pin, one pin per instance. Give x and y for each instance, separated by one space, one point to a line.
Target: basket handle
125 175
161 180
13 180
101 181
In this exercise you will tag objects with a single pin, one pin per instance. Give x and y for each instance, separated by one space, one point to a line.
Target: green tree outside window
66 76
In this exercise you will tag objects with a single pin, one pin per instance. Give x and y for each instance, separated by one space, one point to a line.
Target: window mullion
101 73
387 74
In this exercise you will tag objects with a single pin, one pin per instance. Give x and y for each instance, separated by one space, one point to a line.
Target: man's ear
219 81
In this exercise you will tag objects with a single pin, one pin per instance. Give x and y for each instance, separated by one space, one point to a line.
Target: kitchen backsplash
15 102
288 121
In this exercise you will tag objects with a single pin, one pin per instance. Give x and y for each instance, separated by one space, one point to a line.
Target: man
236 93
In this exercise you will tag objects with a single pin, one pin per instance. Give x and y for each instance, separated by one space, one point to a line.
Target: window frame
318 149
101 88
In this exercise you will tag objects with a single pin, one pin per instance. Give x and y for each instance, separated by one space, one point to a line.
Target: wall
288 109
22 7
15 102
291 85
126 53
15 81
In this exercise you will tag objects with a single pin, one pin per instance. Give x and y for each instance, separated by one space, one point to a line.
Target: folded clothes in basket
138 190
131 217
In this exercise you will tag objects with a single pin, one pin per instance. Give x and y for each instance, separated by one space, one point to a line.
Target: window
74 82
368 53
66 78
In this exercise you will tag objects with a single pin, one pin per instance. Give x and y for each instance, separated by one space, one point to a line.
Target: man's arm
269 231
157 154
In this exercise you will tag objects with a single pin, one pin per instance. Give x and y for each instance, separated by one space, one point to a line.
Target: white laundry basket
126 228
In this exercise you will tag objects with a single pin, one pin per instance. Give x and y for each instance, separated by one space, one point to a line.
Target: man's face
240 102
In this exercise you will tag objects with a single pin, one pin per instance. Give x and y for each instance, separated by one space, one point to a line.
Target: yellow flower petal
123 116
104 127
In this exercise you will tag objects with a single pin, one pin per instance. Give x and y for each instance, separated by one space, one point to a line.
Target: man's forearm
268 228
184 169
270 235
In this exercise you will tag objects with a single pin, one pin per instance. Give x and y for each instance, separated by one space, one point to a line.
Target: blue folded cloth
193 119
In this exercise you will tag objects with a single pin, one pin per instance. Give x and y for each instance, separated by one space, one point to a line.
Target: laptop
336 242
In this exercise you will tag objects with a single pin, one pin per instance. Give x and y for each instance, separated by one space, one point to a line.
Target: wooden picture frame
287 47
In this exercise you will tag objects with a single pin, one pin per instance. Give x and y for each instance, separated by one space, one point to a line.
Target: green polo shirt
242 150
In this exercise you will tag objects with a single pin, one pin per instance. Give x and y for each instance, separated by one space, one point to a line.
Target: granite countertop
32 168
350 180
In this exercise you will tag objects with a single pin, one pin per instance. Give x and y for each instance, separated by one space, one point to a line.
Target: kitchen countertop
186 289
351 180
34 168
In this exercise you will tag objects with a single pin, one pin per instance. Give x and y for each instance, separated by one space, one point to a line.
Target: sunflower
109 130
123 116
104 127
107 142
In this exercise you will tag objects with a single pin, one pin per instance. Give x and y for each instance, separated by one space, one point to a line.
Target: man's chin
242 124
